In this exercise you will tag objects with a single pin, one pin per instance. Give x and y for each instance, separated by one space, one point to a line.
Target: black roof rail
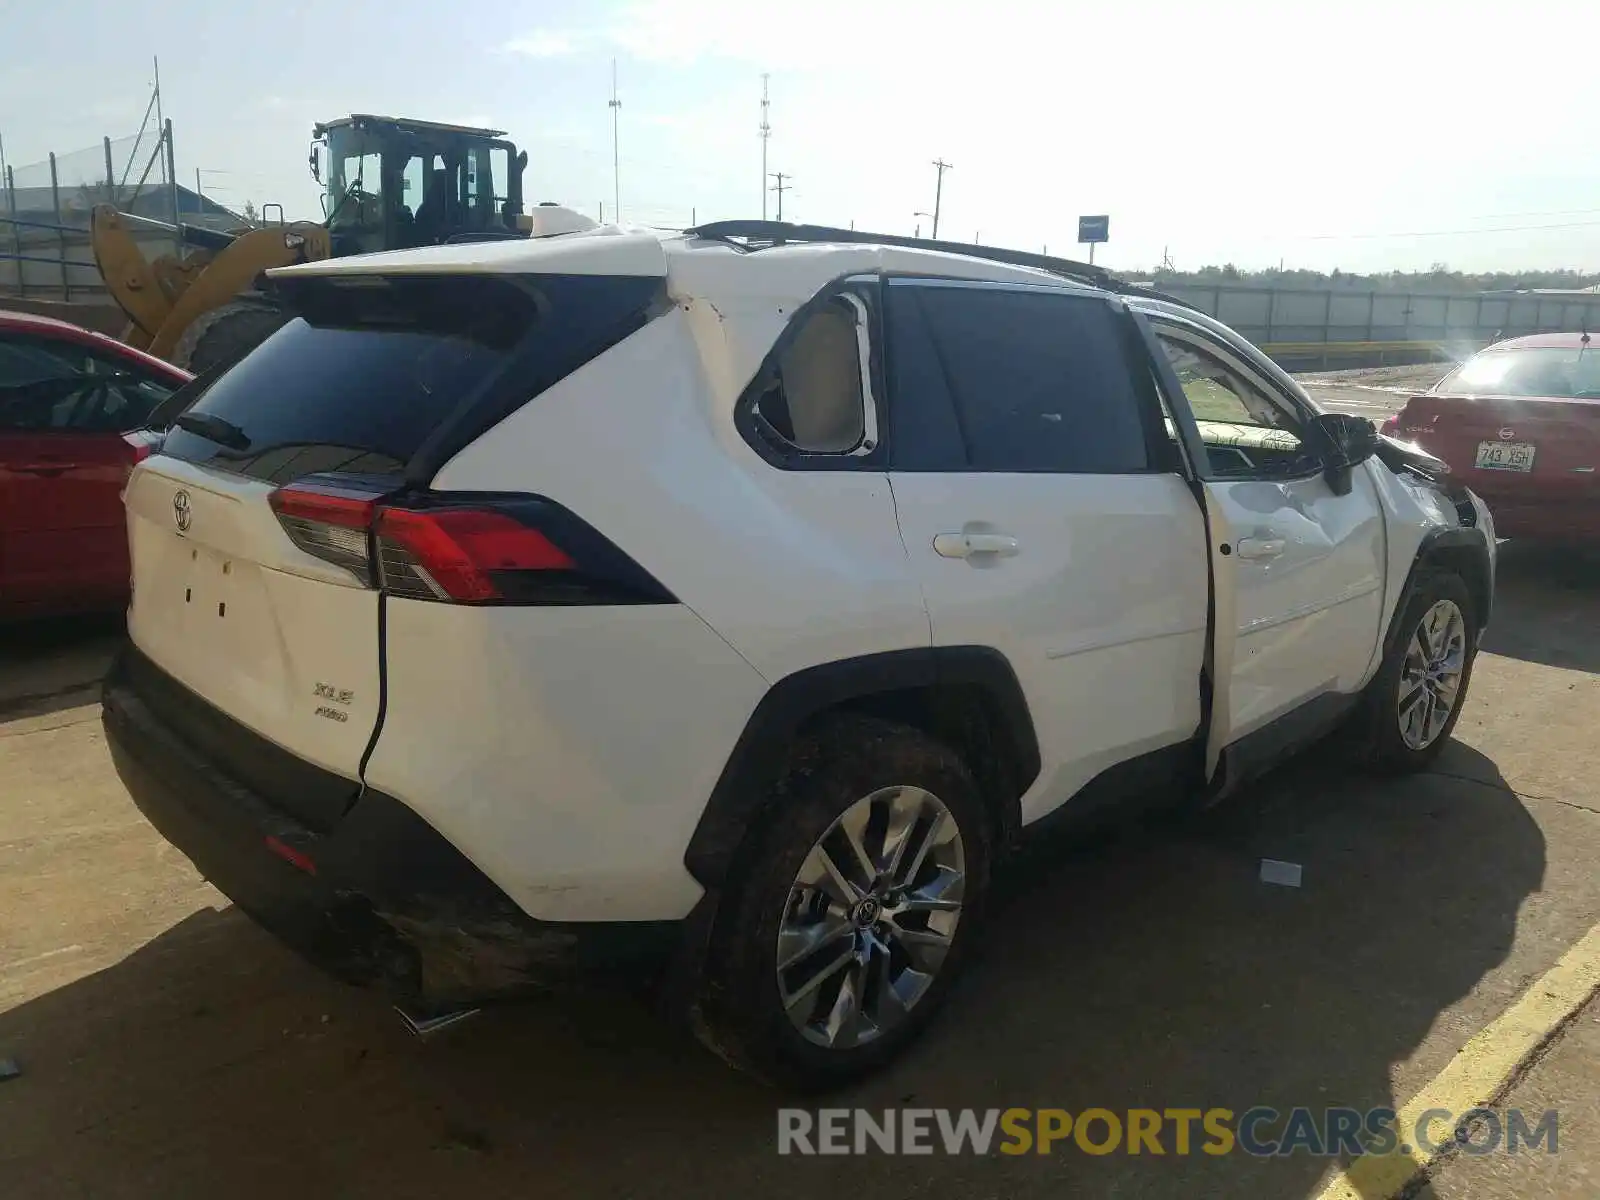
777 233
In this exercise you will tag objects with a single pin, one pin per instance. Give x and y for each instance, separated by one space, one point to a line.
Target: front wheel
1413 703
851 913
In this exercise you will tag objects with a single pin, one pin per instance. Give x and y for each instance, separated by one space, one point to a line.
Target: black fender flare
751 771
1434 548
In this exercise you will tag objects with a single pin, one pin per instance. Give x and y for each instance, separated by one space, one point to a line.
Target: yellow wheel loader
388 183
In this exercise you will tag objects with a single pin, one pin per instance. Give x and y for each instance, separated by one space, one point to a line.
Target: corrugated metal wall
1275 316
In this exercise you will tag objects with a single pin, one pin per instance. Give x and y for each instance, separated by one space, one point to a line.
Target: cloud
544 43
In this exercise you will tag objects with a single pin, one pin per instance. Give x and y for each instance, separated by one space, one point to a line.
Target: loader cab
390 183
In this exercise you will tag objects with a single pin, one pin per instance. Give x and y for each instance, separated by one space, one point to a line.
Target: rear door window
372 366
1005 379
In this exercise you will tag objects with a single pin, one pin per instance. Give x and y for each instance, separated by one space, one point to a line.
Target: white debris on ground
1284 874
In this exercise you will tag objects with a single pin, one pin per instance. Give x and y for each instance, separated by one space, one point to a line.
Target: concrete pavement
171 1049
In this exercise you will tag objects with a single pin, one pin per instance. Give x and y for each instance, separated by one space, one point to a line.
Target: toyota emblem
180 510
1507 434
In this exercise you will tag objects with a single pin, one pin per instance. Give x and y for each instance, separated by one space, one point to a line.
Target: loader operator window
425 192
355 195
487 169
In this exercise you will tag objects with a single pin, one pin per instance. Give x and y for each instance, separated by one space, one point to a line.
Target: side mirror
314 161
1347 442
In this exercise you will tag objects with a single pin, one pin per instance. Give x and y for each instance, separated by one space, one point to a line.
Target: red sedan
72 404
1519 423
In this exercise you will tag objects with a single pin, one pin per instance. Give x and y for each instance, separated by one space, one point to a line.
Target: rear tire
1414 701
226 334
866 965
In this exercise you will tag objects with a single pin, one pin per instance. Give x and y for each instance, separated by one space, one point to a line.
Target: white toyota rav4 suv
736 600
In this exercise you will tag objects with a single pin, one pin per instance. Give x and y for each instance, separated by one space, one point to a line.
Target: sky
1355 135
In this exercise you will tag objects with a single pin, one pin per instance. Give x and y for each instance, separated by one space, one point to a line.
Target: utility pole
938 191
616 158
781 187
766 136
169 168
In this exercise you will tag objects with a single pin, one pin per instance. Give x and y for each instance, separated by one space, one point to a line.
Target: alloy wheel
1430 678
870 917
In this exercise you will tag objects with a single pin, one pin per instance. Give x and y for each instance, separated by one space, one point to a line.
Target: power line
781 187
1352 237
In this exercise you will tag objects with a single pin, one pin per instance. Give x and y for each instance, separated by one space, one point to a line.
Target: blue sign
1094 229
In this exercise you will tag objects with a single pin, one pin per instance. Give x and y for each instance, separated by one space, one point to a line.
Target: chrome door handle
1258 548
965 545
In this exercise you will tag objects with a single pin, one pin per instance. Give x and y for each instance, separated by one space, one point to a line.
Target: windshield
355 186
395 190
1533 371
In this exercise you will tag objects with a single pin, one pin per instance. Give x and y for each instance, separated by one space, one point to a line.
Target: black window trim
1231 357
864 293
1162 457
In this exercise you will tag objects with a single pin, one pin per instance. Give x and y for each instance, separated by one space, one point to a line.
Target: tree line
1438 278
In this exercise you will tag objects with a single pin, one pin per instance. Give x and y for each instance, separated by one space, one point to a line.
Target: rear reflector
461 548
297 859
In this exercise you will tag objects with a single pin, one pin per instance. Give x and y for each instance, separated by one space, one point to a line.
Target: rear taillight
1391 427
329 518
456 554
460 548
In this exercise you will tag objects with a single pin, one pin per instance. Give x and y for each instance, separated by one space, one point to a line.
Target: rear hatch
1511 445
255 583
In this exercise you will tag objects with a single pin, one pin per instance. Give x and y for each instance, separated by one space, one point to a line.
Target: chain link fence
45 209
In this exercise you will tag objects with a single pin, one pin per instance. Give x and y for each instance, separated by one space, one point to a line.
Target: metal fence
1335 323
45 209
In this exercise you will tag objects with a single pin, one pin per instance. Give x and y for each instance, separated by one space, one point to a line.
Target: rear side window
1002 379
374 366
812 397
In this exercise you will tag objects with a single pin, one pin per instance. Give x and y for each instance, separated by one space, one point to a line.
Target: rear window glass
372 366
1534 371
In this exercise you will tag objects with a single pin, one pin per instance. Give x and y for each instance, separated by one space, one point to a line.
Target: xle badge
326 691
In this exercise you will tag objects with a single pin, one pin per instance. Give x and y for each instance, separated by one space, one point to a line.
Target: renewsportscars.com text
1260 1131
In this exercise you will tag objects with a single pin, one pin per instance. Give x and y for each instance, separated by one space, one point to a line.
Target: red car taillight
1391 427
460 549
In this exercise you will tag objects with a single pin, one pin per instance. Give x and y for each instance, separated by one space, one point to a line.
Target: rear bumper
1561 519
381 899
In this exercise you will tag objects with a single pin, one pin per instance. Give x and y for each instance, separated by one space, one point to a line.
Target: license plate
1505 456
